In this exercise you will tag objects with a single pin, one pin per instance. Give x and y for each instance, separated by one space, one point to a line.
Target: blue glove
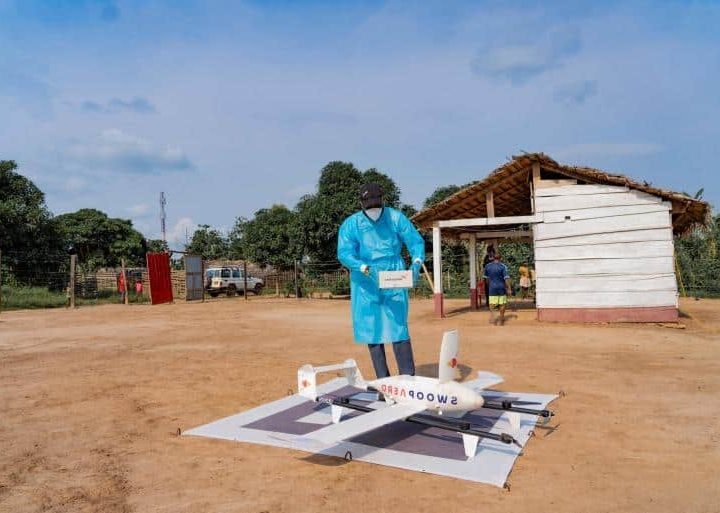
415 268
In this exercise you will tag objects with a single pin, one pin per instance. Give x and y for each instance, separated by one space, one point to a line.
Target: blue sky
229 107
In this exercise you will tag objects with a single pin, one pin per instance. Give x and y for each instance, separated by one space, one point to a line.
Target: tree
442 193
408 210
268 237
99 240
25 223
453 252
208 243
319 215
156 246
698 258
236 237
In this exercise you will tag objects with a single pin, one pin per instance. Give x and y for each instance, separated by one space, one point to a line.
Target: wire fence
50 281
45 281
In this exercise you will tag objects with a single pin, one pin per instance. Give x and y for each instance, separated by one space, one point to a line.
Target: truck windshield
225 273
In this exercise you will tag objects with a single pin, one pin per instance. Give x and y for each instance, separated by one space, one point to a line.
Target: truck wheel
231 290
258 289
214 294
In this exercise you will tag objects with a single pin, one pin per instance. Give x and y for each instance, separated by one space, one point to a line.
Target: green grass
21 298
16 298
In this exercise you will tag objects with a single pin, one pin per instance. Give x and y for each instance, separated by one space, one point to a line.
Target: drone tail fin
448 356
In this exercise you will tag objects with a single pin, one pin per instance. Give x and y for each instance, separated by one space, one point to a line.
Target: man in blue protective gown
370 241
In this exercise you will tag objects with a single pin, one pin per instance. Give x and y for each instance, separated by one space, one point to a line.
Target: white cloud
137 104
181 231
607 150
114 150
519 62
139 210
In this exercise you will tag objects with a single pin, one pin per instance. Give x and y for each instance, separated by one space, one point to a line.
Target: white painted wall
602 246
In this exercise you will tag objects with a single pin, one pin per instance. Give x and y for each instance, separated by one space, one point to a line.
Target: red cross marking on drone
453 363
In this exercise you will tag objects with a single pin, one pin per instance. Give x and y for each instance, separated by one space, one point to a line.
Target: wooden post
427 276
202 277
125 281
297 290
437 272
531 184
245 279
536 175
472 250
0 280
149 288
490 204
277 285
71 285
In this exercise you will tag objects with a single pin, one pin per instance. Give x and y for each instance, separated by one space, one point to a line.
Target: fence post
277 285
245 279
297 290
125 281
0 280
71 286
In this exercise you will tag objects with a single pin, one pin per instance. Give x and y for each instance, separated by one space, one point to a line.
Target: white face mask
374 213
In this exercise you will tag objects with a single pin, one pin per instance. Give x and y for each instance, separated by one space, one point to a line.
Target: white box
395 279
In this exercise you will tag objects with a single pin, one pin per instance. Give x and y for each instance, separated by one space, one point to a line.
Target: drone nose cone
479 401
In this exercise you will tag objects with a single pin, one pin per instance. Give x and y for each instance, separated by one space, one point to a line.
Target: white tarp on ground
400 444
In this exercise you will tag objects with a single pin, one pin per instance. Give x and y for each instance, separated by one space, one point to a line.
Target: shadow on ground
326 461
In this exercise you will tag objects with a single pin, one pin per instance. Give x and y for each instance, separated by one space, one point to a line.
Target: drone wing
363 423
484 380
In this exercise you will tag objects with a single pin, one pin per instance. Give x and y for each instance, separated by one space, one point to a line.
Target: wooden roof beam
488 221
489 204
505 234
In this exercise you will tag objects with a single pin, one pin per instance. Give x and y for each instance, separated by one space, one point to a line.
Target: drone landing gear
544 416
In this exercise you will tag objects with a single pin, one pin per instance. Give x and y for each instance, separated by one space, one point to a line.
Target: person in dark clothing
498 280
487 260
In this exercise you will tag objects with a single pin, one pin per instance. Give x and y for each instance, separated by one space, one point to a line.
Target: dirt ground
91 401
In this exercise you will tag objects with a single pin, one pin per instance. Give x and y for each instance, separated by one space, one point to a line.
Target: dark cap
371 196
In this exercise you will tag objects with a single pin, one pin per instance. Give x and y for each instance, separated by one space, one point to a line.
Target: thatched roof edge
694 212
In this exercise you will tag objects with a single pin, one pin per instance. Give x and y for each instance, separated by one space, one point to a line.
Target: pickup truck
230 280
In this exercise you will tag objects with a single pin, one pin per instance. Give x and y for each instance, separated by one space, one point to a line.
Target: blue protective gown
379 315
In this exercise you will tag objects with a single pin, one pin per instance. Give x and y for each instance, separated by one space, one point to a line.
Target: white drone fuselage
405 396
441 394
449 396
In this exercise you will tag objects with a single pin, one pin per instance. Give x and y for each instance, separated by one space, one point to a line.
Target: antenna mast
162 217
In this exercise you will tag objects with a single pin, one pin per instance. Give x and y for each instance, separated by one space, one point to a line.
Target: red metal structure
158 265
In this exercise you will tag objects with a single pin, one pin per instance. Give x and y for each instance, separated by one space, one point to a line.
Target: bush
289 288
341 287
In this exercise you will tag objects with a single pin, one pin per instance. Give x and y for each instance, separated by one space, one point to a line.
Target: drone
435 402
